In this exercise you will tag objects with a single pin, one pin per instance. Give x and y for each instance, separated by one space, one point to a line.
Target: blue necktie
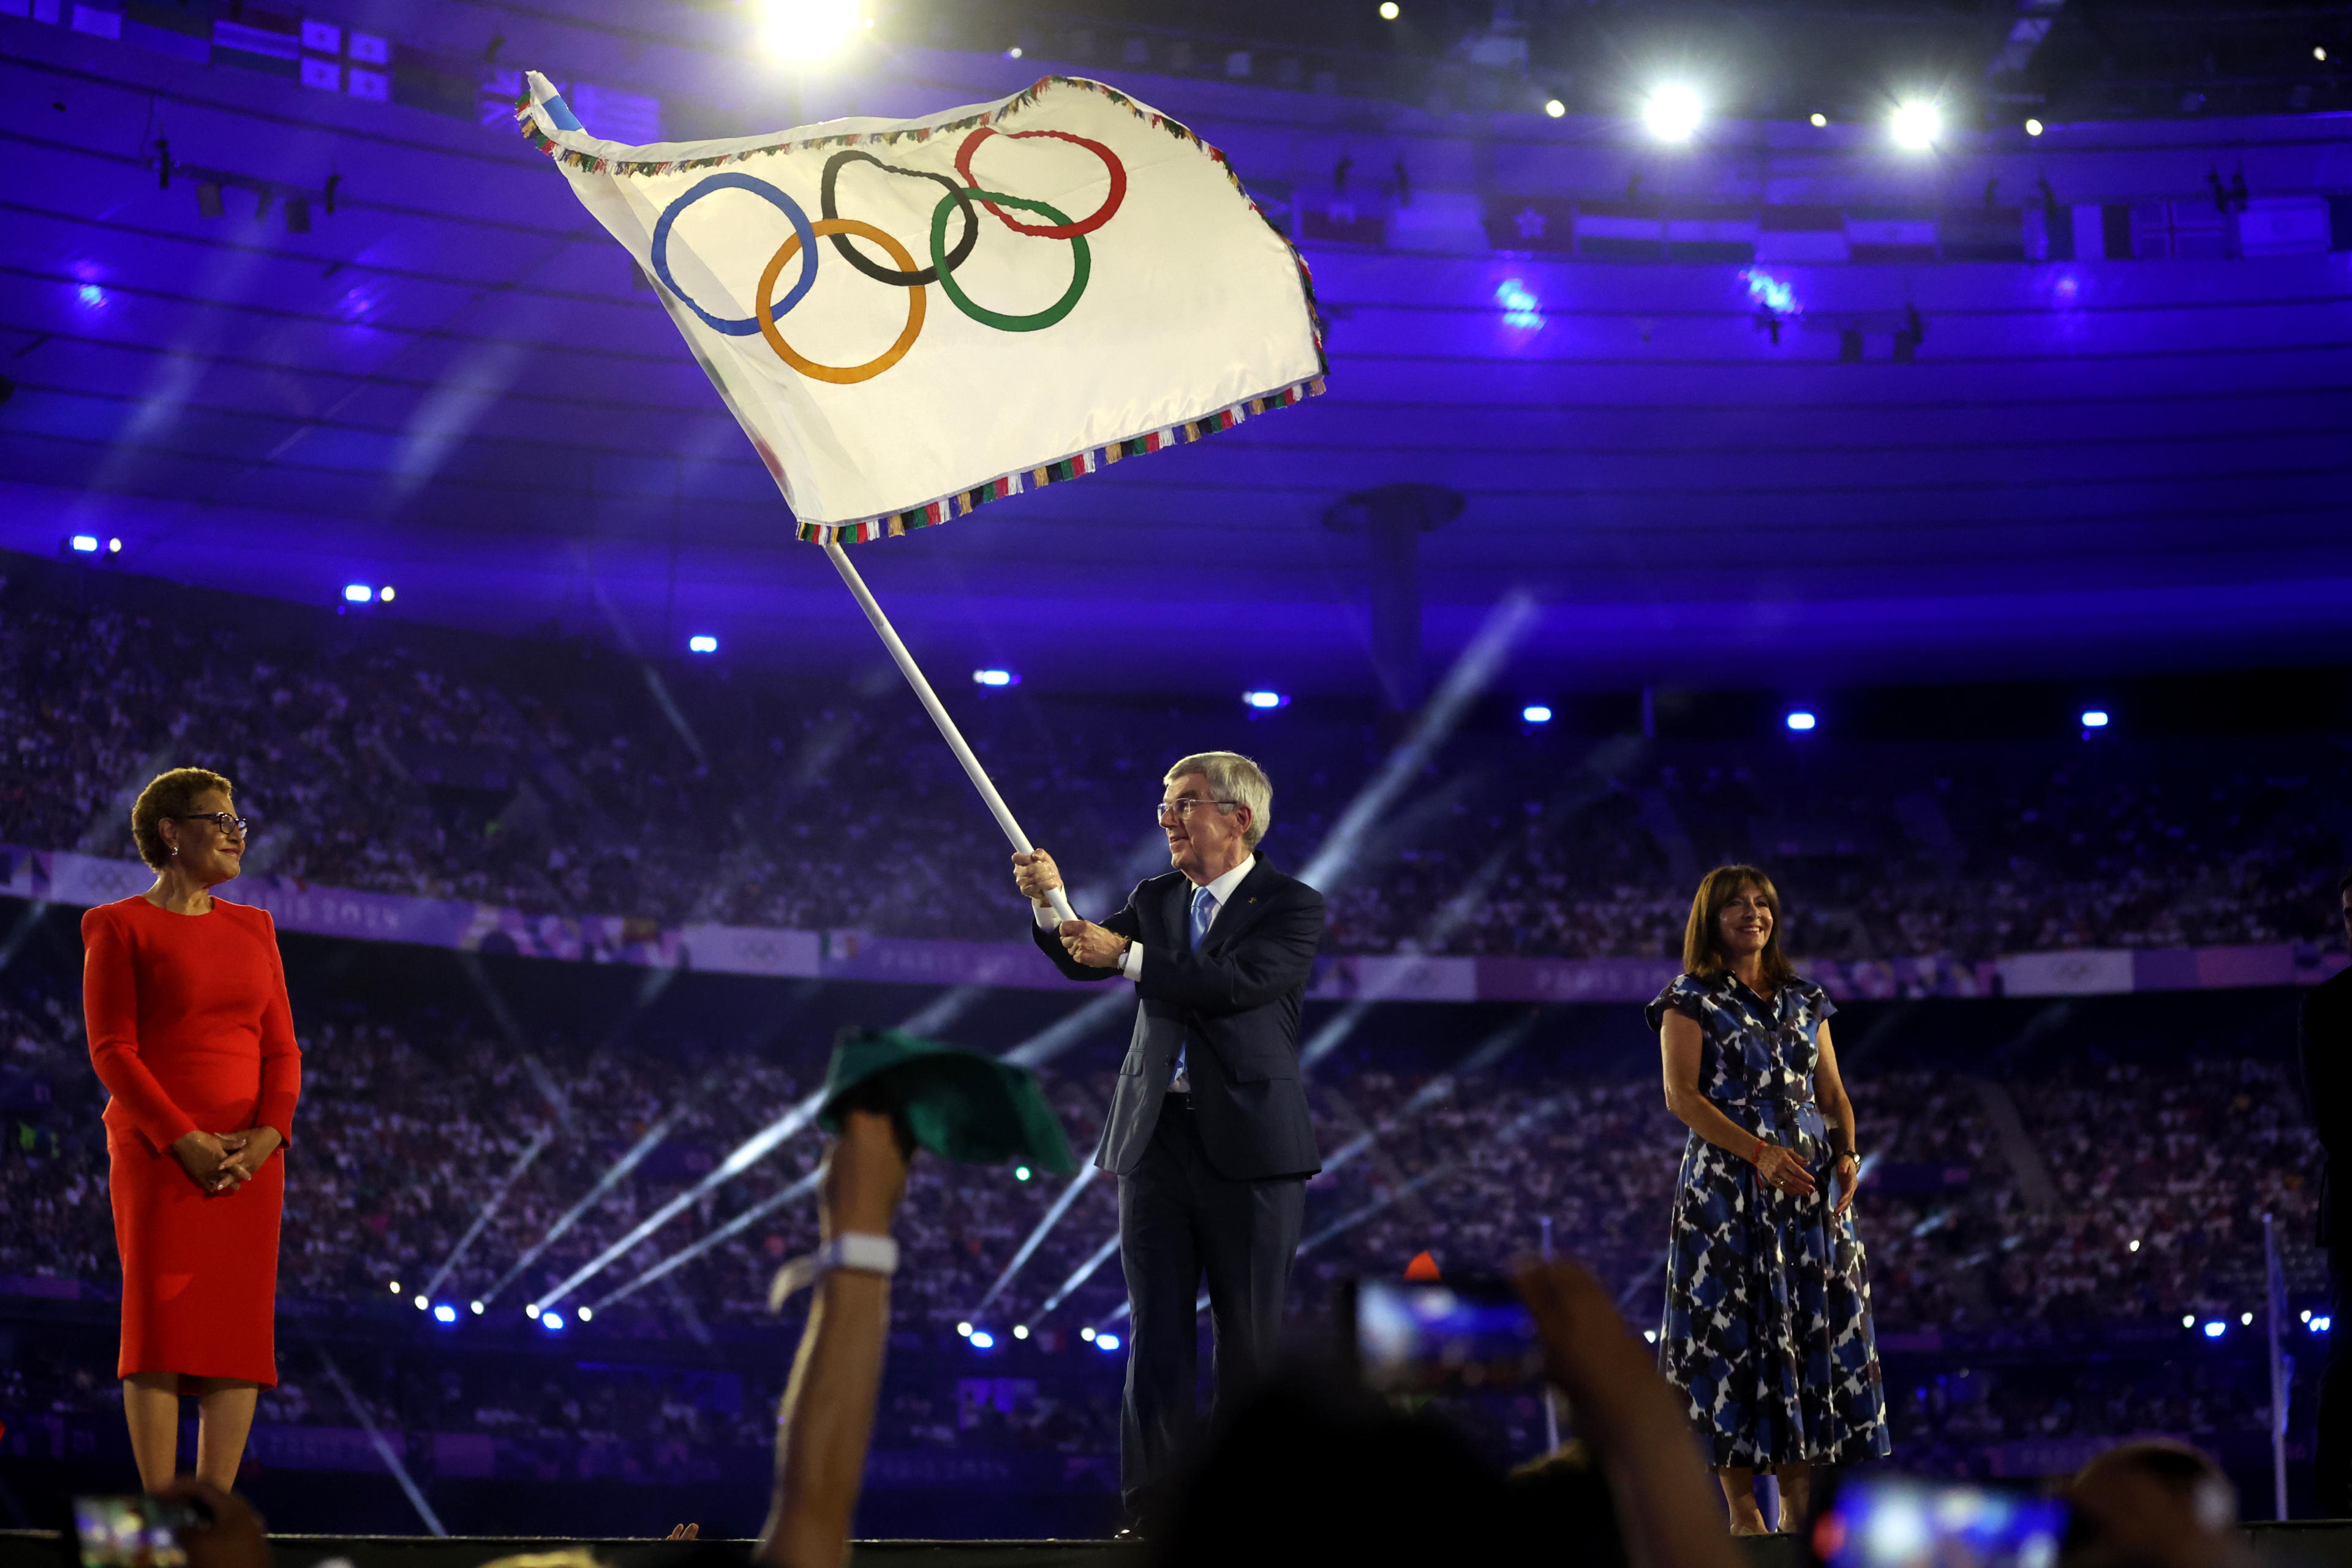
1204 910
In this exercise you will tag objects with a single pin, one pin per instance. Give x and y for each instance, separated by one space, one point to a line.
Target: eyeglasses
231 827
1183 808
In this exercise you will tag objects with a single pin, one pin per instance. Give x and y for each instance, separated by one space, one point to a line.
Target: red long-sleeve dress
190 1030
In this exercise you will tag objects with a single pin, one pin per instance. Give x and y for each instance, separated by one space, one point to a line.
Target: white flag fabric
909 318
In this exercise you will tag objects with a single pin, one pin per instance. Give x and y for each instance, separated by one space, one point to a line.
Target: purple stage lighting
357 593
994 678
1265 701
1521 309
2094 718
2216 1328
981 1339
83 543
1535 713
553 1321
445 1314
1105 1341
1800 720
703 642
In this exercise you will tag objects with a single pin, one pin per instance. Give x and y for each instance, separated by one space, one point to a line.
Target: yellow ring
836 374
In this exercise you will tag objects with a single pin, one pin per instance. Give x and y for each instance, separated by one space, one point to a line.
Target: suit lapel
1176 908
1247 903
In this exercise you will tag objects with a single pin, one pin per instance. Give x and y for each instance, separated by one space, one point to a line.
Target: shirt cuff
1131 965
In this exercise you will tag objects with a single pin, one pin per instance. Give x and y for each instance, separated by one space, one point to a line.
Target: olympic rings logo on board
955 204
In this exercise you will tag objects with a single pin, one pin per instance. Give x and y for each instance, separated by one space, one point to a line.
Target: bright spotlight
703 642
2216 1328
552 1321
1651 1335
1388 10
383 595
357 593
2319 53
1671 113
1800 720
1917 126
2033 128
2134 1246
2246 1320
445 1314
1819 120
1535 713
475 1307
1105 1341
2188 1322
981 1339
586 1313
800 30
1554 108
421 1303
1020 1330
964 1329
83 543
2321 1323
1088 1334
1013 53
395 1287
2094 718
531 1310
1020 1173
1265 701
994 678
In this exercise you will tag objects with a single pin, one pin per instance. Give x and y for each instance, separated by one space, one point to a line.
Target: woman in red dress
190 1032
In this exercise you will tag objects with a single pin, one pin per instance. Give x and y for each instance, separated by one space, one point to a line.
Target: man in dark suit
1208 1133
2326 1054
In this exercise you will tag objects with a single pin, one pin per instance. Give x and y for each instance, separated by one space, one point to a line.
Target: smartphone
133 1531
1461 1336
1904 1522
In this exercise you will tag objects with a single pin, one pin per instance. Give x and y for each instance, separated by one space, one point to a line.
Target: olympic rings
1066 229
889 356
1081 264
802 232
905 279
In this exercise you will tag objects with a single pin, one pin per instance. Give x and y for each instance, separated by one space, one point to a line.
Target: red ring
1087 225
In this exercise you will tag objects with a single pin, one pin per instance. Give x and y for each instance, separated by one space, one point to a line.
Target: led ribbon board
1105 288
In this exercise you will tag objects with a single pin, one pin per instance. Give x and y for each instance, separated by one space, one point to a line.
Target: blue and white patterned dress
1766 1329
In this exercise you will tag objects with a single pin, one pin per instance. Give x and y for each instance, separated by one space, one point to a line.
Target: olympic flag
1105 288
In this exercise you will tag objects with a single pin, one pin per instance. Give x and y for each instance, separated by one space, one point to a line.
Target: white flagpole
2273 1290
932 705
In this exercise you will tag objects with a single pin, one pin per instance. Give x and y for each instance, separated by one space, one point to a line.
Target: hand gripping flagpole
932 705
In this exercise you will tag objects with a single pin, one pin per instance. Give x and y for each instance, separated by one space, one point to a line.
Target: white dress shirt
1221 892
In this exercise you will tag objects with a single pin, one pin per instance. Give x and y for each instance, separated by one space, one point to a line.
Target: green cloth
957 1103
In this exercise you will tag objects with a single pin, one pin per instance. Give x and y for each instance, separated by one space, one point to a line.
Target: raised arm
1036 875
109 1000
827 1417
1273 958
1681 1042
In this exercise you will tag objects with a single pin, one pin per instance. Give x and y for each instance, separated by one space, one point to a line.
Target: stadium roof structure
292 306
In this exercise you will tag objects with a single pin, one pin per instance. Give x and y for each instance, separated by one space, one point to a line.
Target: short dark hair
169 794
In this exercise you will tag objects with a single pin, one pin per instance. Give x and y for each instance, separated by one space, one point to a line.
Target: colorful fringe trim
529 117
891 525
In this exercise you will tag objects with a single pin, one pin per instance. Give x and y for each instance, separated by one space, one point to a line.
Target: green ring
1081 264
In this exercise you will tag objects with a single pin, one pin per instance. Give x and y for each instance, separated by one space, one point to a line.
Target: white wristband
856 1251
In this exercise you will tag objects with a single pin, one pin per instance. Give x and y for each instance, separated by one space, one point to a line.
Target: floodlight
1535 713
2216 1328
83 543
2246 1320
964 1329
1265 701
1554 108
2094 718
1671 113
1105 1341
1020 1173
383 595
1088 1334
357 593
1388 10
1020 1330
995 677
703 642
1800 720
475 1307
2321 1323
981 1339
807 30
552 1320
2033 128
395 1287
1819 120
1917 126
445 1314
421 1303
2319 53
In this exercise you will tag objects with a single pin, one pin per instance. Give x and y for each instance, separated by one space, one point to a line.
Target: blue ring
748 325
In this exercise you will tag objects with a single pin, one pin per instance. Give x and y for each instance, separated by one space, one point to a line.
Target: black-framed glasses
1184 808
230 825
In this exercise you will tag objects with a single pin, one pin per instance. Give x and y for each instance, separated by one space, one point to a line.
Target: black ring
881 274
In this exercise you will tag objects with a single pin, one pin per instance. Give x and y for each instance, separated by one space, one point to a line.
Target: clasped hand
224 1161
1095 946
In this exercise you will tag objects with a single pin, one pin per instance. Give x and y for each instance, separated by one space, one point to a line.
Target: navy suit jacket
1236 1001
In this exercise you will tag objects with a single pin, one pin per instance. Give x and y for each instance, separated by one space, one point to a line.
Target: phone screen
131 1531
1899 1522
1465 1336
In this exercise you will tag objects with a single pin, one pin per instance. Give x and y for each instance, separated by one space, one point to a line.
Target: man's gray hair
1233 777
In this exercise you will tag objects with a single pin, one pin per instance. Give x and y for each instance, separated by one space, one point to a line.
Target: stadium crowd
418 1130
569 779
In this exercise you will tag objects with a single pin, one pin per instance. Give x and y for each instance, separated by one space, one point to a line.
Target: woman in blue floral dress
1766 1329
